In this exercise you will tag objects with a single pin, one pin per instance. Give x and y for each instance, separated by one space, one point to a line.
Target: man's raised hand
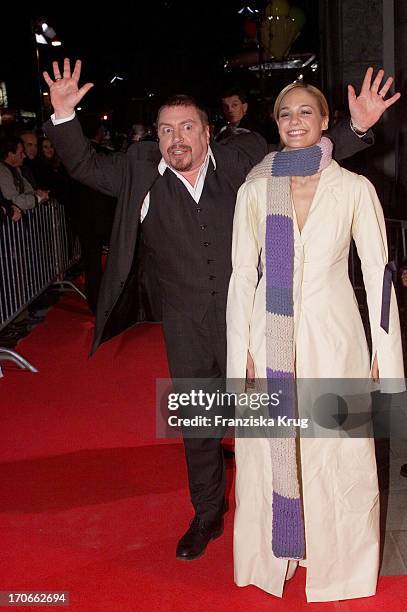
367 108
64 91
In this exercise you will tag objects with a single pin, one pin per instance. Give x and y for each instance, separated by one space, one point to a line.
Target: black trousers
92 251
198 351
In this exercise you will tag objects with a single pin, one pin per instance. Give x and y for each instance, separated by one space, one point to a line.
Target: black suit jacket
129 177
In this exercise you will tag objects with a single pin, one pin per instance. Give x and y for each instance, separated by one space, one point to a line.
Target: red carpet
92 503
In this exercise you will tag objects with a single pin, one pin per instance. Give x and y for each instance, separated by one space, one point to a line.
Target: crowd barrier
35 253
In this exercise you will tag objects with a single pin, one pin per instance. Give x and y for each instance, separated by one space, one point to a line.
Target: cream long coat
339 477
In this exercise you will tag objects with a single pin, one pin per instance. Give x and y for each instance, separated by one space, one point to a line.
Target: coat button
214 292
206 244
198 210
212 277
203 227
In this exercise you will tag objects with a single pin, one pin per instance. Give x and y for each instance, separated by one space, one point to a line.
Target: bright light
56 43
3 94
50 33
40 39
79 108
45 93
105 117
247 9
47 30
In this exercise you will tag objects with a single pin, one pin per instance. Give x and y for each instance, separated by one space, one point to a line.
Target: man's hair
234 91
25 132
8 145
184 100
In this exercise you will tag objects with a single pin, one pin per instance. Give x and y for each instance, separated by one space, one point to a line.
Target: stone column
361 33
401 73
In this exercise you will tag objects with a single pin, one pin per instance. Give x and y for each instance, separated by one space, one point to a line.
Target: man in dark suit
235 108
184 195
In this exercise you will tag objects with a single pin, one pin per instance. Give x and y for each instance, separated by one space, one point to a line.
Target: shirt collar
162 166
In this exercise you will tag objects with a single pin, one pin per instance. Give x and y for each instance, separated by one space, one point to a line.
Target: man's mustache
178 148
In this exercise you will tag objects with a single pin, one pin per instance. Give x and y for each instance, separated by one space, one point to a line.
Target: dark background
160 47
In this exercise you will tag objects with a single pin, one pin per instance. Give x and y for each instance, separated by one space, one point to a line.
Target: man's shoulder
241 150
224 154
145 151
238 142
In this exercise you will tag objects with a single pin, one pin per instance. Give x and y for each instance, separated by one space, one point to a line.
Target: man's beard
180 164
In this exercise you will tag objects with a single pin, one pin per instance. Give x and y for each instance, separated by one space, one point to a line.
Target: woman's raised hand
64 91
367 108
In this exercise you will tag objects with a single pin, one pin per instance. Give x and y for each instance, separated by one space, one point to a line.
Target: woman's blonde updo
314 91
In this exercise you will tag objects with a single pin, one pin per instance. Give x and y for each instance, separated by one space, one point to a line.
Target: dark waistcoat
191 242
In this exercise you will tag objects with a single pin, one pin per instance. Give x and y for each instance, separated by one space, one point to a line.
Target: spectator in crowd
235 108
13 185
141 132
30 141
29 167
17 195
51 174
138 132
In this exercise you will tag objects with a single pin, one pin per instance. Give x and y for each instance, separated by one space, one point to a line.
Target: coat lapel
329 186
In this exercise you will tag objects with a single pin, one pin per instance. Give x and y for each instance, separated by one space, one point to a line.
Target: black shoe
403 470
193 544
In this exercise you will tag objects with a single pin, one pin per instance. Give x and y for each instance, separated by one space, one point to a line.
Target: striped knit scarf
288 535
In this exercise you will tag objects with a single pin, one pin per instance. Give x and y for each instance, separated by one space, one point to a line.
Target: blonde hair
314 91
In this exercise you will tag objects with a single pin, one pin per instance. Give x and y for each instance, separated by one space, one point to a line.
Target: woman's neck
303 180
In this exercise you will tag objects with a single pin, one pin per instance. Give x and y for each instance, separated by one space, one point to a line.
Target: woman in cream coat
340 494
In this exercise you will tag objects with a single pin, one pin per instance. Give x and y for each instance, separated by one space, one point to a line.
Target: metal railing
35 253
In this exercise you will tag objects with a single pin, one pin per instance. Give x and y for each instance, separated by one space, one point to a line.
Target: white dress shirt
194 190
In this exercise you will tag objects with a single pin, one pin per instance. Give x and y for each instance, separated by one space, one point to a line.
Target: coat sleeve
25 200
251 147
243 282
346 142
99 171
369 233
